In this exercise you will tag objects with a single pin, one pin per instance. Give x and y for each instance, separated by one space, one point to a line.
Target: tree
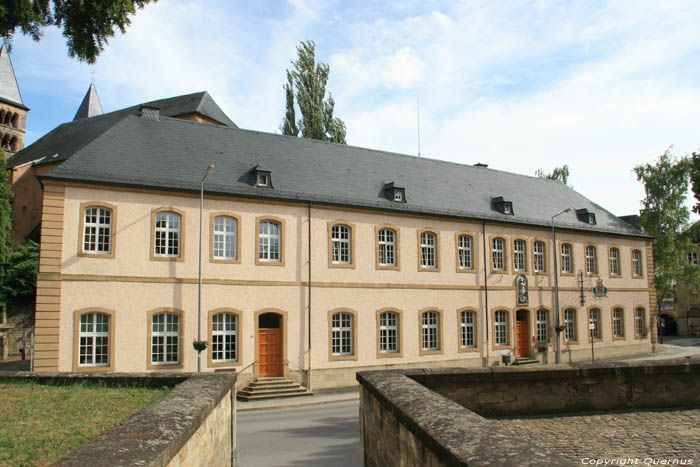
5 225
308 80
19 279
695 179
560 174
666 219
87 24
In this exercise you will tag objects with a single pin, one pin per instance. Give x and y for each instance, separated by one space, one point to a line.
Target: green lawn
39 424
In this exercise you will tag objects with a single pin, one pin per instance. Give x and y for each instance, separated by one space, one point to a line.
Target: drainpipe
486 291
308 286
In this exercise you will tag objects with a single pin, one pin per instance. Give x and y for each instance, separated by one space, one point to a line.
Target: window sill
389 354
342 358
468 349
428 269
341 265
82 254
387 268
224 261
268 263
423 353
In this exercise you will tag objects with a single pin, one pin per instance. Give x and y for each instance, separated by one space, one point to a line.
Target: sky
601 86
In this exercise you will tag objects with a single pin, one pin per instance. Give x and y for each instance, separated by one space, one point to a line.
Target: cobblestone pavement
642 435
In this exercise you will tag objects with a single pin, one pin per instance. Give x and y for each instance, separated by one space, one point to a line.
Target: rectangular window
94 339
566 258
225 243
519 255
618 330
387 247
464 249
570 324
224 337
501 326
636 262
428 253
97 230
467 334
542 325
165 339
498 262
167 235
342 334
639 321
430 330
614 262
388 332
269 241
340 244
590 260
594 319
539 256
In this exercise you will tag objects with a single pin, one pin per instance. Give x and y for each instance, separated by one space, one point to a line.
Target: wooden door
270 354
523 339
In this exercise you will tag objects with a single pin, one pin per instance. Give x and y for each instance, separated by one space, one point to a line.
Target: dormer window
501 205
394 193
585 216
262 178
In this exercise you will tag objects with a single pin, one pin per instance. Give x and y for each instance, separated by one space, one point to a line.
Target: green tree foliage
560 174
666 218
19 279
695 179
5 214
87 24
308 81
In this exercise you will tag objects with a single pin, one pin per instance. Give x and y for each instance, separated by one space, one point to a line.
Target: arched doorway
522 333
667 325
270 349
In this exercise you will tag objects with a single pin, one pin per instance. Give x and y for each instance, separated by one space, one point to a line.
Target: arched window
94 338
570 324
636 263
542 325
225 238
430 326
428 250
341 245
590 260
566 265
519 255
614 262
224 337
97 230
342 334
15 120
8 117
539 256
6 141
498 254
389 332
501 327
594 320
269 241
13 143
618 322
167 234
639 328
165 338
464 251
386 247
467 328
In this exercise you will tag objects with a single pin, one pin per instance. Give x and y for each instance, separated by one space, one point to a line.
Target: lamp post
199 275
557 326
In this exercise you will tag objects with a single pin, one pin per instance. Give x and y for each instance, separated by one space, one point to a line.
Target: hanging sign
600 291
521 286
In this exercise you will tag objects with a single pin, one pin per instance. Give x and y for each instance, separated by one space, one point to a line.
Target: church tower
91 106
13 113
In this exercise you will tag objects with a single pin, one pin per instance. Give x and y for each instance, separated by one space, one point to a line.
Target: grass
40 424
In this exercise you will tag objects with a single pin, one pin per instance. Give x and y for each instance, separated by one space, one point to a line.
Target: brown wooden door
270 355
522 339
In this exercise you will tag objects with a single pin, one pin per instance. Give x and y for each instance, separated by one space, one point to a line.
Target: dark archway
667 325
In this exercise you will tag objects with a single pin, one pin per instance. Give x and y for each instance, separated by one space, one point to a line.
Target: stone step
256 397
526 361
249 392
270 388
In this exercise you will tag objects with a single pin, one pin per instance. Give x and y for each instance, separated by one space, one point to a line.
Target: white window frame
97 235
386 239
539 256
519 255
498 253
167 236
225 238
595 321
94 339
428 250
639 315
637 263
500 322
269 243
467 329
389 332
342 329
430 325
341 245
618 322
166 340
591 266
464 250
570 324
542 325
224 337
614 262
566 258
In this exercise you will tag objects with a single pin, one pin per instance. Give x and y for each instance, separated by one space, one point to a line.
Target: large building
317 259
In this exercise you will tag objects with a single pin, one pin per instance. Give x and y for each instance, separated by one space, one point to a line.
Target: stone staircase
271 388
525 361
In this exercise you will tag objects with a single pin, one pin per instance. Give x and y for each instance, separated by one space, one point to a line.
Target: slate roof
124 148
9 90
91 106
199 102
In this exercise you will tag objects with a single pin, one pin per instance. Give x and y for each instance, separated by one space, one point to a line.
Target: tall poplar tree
5 225
560 174
695 179
307 82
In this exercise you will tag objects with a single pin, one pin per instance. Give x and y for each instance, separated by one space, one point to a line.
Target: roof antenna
418 102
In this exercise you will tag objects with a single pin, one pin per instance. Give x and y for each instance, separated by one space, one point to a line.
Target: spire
90 106
9 91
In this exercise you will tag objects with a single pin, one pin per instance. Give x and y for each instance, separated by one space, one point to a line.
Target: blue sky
519 85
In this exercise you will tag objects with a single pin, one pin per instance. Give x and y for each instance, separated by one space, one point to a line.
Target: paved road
321 435
678 347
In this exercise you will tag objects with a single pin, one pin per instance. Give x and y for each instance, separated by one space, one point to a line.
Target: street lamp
557 327
199 276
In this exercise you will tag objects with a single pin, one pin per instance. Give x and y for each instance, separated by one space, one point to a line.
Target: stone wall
16 321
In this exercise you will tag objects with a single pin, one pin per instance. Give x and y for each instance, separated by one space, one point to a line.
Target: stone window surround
509 328
477 331
545 259
351 245
505 254
526 264
641 263
113 230
399 332
575 340
281 222
436 234
353 337
600 323
645 324
181 250
76 339
618 252
548 326
474 251
397 249
212 218
595 260
623 321
181 340
441 343
571 259
239 342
